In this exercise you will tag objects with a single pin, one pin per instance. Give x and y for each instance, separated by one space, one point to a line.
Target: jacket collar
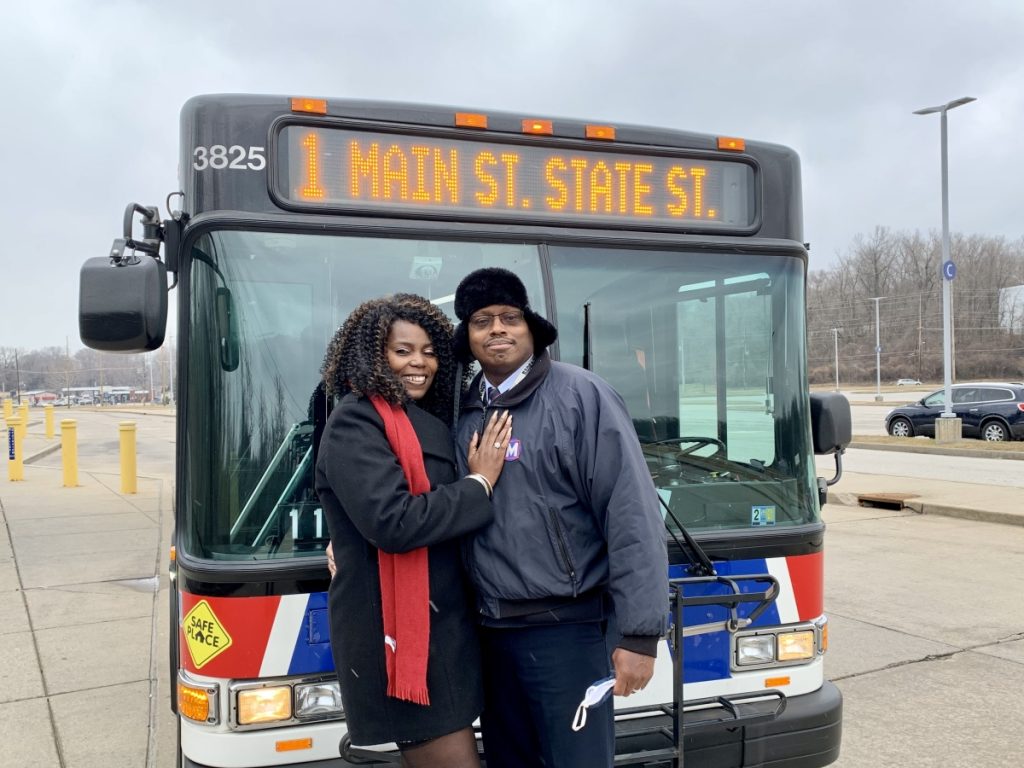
516 395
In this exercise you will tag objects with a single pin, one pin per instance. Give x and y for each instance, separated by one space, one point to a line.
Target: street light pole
947 353
878 353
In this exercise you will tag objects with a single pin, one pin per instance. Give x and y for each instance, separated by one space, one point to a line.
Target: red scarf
404 579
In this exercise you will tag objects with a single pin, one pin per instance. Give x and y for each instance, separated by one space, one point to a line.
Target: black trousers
534 679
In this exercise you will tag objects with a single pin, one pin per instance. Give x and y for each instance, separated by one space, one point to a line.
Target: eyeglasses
482 322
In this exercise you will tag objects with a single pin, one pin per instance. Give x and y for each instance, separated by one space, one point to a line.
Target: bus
673 265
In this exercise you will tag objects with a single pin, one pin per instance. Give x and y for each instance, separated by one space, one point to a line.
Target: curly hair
356 358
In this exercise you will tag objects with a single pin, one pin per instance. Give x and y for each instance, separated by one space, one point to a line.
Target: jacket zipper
564 549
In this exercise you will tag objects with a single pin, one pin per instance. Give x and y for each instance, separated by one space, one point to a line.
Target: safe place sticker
205 637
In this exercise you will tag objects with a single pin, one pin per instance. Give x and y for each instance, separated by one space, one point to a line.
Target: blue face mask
597 693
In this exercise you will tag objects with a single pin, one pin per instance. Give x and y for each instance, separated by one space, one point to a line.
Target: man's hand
331 566
632 671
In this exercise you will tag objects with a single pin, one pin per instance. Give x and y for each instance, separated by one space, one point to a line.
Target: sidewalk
82 628
950 498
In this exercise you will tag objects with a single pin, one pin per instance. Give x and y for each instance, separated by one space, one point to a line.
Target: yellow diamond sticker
205 637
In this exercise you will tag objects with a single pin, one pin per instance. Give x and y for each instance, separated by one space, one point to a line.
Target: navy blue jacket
575 509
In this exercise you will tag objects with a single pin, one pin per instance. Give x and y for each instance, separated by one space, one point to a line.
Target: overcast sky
92 91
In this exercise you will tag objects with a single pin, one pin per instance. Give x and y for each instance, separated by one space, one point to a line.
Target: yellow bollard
128 479
8 408
69 451
24 413
48 420
15 459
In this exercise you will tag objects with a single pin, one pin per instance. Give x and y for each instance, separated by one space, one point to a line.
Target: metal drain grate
885 500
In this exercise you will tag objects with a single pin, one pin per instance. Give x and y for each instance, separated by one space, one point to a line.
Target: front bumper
806 735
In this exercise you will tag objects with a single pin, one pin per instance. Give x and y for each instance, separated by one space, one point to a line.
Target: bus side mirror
227 329
831 432
122 304
831 422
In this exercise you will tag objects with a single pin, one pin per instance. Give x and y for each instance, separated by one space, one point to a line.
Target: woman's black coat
368 507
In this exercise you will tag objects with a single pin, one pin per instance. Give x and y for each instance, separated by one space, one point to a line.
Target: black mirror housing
122 306
831 422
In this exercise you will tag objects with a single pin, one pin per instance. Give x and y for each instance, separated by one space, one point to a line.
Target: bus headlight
796 646
755 649
313 700
264 705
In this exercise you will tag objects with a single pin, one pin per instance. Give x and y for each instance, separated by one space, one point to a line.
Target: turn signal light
193 703
731 143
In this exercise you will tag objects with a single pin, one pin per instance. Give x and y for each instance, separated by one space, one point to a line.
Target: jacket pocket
562 544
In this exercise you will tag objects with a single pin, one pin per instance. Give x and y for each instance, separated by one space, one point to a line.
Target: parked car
907 383
988 410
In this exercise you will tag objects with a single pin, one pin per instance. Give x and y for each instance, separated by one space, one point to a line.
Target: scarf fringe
409 693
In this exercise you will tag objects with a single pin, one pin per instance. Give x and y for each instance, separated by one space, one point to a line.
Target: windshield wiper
700 563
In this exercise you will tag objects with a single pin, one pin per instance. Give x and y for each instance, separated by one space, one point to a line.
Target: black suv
990 411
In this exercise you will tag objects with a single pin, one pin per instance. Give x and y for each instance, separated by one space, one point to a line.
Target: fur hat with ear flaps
487 287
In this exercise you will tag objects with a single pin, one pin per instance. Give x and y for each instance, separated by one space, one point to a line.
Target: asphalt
84 678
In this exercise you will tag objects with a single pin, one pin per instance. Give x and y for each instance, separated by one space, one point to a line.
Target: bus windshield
715 393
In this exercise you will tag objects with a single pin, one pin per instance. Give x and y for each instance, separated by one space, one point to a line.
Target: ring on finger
497 445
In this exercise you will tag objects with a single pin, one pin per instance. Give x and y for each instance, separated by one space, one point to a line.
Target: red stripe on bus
807 573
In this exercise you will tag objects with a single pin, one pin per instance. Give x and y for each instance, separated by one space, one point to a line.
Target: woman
403 634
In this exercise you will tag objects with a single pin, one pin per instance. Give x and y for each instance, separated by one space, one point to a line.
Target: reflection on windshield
706 350
263 307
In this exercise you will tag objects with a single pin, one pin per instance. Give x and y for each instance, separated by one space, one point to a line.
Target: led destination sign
349 170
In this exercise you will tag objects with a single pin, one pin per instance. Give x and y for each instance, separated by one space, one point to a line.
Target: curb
937 450
851 499
45 452
965 513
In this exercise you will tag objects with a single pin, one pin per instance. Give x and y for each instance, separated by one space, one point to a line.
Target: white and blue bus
673 265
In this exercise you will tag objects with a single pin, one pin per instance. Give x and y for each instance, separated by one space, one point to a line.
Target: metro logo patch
205 637
514 450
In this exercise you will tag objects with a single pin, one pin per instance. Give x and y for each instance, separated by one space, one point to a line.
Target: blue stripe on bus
312 650
706 657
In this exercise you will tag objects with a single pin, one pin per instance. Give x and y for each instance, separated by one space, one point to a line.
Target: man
576 553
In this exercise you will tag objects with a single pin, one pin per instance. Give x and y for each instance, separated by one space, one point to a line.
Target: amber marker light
193 703
174 554
604 132
293 745
731 143
313 106
538 127
470 120
776 682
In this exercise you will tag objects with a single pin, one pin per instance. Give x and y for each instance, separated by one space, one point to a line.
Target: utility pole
920 309
952 336
878 353
835 341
